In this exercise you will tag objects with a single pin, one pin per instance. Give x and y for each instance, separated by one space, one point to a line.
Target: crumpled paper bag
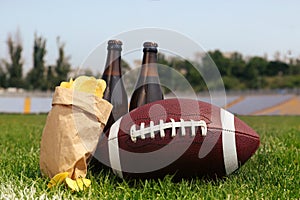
71 132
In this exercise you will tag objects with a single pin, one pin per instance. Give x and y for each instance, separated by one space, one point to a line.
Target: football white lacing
162 126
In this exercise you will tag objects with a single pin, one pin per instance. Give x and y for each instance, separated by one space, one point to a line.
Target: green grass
272 173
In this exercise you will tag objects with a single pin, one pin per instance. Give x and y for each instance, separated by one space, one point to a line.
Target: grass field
272 173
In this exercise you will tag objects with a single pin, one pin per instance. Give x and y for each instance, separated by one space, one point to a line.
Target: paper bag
71 132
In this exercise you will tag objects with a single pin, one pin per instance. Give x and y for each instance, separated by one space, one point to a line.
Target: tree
251 77
258 63
237 65
164 73
3 82
221 62
186 68
35 77
232 83
295 67
50 78
125 67
277 68
63 66
14 67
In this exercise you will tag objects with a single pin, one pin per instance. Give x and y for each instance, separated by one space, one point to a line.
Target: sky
252 28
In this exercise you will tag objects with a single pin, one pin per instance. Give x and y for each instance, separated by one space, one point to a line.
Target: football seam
208 130
207 120
236 132
143 131
172 114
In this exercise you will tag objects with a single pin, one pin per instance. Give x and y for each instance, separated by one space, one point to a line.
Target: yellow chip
78 184
100 88
83 183
90 85
85 84
67 84
57 179
72 184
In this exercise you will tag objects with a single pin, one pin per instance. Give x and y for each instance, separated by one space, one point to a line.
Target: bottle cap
114 44
150 46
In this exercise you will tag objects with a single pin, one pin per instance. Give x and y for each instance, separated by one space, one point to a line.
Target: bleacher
221 102
252 104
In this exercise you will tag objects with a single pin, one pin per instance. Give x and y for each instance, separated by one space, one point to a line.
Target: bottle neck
149 64
113 63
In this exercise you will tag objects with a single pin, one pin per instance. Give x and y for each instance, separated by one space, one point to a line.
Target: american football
180 137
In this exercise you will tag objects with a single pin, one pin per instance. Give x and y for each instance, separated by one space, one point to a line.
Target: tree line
237 72
41 76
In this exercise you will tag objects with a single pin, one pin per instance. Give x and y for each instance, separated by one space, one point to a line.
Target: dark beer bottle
147 88
115 91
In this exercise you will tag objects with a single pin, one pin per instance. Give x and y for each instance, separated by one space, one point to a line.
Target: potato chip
83 183
72 184
100 88
79 184
67 84
85 84
57 179
90 85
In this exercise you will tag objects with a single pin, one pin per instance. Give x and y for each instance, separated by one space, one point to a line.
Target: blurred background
255 46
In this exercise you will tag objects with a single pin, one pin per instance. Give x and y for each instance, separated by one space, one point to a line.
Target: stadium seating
252 104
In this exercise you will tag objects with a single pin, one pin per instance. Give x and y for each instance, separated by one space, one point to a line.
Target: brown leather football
180 137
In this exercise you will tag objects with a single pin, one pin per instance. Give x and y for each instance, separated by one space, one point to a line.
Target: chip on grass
79 184
58 179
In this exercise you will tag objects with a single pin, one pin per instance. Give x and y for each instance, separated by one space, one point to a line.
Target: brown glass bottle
147 88
115 91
